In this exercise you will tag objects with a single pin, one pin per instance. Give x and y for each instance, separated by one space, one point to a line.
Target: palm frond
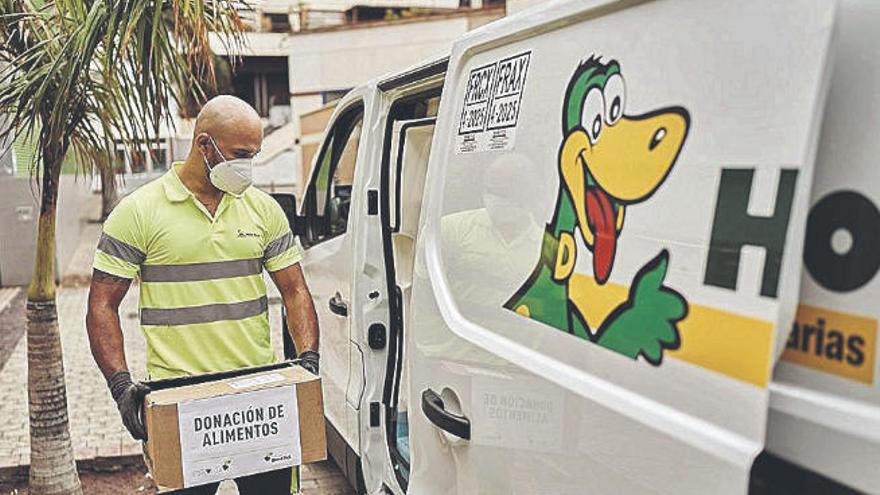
89 74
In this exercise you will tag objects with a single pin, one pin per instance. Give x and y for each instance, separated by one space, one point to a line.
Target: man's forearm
302 321
106 341
102 322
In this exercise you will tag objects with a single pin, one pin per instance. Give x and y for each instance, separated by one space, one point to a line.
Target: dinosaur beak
632 157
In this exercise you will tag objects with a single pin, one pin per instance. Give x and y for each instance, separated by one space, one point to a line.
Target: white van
567 258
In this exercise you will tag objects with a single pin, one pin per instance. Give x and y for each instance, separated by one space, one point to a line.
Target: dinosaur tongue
602 220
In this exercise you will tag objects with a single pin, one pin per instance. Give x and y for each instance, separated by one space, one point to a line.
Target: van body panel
553 413
524 283
825 395
334 346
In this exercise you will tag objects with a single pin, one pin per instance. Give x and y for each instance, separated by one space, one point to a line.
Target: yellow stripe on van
738 346
833 342
734 345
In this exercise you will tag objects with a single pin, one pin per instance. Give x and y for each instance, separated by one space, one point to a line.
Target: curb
13 475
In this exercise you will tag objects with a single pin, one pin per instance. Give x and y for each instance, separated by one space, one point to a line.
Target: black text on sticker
510 80
476 99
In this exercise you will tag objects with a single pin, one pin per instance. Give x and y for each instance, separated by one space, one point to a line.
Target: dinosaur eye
594 110
615 98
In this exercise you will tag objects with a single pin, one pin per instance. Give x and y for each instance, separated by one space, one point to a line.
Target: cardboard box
232 427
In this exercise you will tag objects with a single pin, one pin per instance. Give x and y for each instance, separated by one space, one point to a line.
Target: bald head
226 113
234 126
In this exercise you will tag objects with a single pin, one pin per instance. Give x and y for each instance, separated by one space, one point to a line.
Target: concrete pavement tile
309 484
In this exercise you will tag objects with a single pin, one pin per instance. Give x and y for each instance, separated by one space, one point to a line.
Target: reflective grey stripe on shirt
121 250
204 314
194 272
278 246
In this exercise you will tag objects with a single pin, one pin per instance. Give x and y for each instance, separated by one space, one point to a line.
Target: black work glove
309 360
129 397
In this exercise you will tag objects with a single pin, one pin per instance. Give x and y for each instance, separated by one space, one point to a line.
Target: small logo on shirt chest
242 234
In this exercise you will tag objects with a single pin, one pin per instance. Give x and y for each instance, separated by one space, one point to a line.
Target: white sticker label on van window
517 412
491 105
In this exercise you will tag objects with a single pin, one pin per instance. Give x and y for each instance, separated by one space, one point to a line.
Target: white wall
514 6
276 5
303 104
19 210
345 58
7 158
256 44
280 173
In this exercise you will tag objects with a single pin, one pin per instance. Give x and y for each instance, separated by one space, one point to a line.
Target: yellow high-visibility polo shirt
203 304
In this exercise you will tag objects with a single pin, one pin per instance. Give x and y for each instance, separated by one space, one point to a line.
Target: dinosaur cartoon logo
608 161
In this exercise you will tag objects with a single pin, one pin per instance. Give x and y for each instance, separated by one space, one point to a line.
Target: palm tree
79 76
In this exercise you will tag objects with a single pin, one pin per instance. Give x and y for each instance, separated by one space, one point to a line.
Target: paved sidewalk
321 478
95 427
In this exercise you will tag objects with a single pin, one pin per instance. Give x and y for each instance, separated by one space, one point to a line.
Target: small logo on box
272 458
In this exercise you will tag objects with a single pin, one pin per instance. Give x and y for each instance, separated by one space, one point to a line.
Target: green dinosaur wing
646 323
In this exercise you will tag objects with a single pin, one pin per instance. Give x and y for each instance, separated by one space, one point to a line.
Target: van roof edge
432 68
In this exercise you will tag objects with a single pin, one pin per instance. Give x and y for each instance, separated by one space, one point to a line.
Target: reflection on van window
323 179
343 176
328 198
486 246
431 106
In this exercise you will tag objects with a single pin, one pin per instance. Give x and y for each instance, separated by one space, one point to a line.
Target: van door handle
435 410
337 305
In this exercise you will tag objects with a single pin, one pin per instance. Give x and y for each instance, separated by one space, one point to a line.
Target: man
199 238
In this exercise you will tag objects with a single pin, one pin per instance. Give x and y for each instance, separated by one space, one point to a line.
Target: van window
328 198
491 229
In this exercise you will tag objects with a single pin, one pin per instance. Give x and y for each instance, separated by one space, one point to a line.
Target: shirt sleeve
282 249
121 250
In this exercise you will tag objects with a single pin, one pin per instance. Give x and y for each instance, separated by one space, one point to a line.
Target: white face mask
230 176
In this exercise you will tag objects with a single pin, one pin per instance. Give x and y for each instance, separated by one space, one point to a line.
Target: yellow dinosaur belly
595 301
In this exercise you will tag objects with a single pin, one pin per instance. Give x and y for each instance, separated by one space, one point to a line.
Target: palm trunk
53 466
108 191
